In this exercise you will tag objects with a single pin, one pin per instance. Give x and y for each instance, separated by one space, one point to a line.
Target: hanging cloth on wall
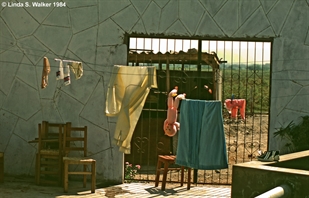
77 69
64 72
45 72
126 95
59 73
201 143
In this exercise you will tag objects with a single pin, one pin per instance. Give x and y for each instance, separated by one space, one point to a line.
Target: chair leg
37 172
93 176
60 170
164 176
85 177
189 179
182 175
66 176
159 164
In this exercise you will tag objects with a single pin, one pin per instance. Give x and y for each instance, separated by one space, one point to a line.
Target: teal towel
201 143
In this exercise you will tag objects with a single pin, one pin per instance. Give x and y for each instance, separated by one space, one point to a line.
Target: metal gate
243 72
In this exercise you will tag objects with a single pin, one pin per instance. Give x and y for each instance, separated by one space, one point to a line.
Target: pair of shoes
269 156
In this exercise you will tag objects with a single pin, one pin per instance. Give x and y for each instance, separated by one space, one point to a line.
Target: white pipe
283 191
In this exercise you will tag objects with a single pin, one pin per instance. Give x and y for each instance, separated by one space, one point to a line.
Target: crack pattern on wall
93 32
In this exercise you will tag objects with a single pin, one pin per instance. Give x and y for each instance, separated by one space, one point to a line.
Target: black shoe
269 156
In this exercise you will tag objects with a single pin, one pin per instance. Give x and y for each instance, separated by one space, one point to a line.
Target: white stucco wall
93 32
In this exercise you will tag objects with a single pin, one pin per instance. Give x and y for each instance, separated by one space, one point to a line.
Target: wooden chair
167 160
75 139
49 155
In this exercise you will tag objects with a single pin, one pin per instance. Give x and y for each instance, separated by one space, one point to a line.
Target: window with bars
207 70
243 71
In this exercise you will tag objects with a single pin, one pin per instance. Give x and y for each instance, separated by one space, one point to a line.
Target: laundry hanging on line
77 68
59 73
45 72
63 72
201 139
127 91
66 74
232 105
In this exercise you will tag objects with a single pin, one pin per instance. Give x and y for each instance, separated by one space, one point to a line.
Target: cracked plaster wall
93 32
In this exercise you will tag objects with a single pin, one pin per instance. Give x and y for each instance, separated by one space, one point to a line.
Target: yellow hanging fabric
128 89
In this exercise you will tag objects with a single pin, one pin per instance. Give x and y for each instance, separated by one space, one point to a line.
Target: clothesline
106 72
63 72
40 50
58 59
37 49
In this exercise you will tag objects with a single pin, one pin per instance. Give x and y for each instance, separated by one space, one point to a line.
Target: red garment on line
233 105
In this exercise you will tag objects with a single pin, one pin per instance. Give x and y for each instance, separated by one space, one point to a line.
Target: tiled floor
25 188
136 190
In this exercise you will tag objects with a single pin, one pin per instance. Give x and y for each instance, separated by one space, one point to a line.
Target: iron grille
244 73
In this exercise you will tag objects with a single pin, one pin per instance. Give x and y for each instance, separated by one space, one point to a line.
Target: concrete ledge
254 178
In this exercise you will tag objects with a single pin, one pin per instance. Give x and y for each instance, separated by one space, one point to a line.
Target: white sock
59 73
67 80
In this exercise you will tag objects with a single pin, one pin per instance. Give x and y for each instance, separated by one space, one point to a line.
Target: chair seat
168 158
83 159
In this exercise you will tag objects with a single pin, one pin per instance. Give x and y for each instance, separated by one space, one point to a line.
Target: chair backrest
75 139
50 135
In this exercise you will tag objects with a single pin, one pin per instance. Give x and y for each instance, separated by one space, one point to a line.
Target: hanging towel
127 91
201 141
77 69
59 73
66 74
45 72
233 105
